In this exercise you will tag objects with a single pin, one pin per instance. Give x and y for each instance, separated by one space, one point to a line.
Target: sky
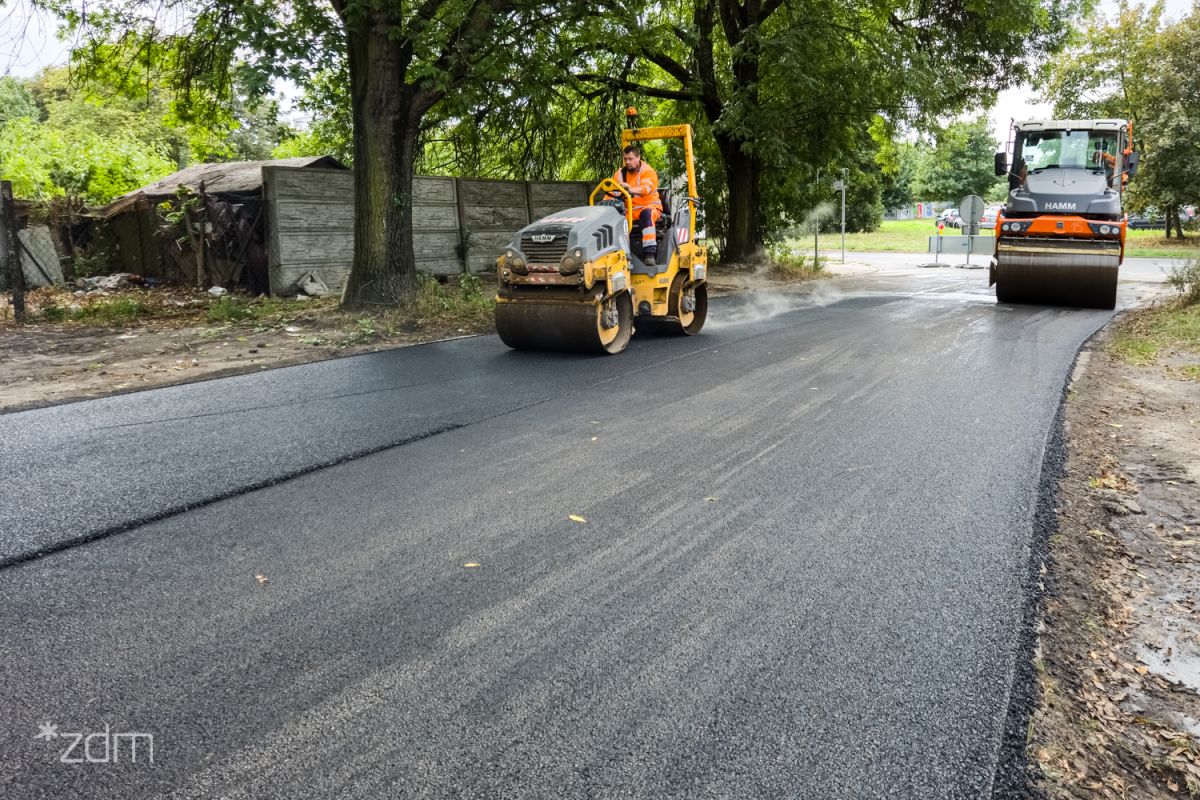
28 43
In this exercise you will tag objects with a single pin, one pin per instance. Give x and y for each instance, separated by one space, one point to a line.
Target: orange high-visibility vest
644 182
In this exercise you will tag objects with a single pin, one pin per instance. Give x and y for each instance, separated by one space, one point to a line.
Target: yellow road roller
577 281
1061 237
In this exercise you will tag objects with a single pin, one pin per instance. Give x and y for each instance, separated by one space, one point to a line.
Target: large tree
404 62
785 86
960 163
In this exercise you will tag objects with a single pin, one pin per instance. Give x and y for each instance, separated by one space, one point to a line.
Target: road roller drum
1079 274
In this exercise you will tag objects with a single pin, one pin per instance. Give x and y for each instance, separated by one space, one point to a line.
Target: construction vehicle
1060 238
575 280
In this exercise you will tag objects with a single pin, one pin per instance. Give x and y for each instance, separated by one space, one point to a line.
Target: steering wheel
609 187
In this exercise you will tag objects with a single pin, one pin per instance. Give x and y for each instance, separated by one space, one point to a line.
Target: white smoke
755 307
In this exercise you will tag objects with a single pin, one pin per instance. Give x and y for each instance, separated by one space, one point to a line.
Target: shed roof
233 177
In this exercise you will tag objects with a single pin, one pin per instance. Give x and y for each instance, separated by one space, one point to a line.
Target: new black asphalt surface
801 572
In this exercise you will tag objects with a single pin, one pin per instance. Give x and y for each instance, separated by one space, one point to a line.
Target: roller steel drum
1049 272
566 325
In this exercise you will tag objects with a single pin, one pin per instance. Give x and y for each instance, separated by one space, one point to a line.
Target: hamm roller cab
573 281
1060 239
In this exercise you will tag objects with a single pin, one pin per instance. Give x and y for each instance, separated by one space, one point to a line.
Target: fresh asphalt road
802 571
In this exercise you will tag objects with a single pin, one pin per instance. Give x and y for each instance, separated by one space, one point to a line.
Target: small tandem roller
573 281
1060 239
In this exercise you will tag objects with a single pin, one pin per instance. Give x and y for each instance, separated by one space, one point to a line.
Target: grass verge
1170 329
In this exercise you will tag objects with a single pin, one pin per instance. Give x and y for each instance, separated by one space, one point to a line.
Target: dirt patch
133 339
1118 658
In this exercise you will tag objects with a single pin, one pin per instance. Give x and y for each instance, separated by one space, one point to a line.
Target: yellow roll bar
668 132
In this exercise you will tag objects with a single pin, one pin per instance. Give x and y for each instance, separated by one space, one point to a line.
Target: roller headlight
1104 229
569 264
518 266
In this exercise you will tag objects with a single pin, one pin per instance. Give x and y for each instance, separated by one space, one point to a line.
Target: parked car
990 214
1152 218
950 218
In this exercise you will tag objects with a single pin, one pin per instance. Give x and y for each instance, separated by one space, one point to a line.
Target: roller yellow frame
575 281
668 132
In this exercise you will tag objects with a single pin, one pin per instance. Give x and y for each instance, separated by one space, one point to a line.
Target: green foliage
464 299
1150 333
100 138
790 262
229 309
898 182
1136 66
16 102
44 161
788 88
959 164
117 311
1185 279
52 312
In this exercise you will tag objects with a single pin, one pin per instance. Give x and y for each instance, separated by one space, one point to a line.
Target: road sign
971 209
838 186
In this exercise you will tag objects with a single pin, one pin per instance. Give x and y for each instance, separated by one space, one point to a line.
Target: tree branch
640 88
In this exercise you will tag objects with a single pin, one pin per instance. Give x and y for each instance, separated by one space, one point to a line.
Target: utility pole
817 225
842 184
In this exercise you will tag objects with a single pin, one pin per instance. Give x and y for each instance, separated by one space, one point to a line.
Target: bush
52 312
228 310
114 312
464 296
790 263
1186 280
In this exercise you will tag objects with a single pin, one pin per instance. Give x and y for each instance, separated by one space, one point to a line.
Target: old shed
269 224
208 224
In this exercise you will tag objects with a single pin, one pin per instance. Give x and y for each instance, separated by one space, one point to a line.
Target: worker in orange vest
641 181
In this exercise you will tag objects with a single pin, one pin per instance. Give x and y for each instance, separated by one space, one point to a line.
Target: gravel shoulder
1118 657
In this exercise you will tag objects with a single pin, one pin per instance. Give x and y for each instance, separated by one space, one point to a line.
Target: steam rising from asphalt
761 306
758 306
822 212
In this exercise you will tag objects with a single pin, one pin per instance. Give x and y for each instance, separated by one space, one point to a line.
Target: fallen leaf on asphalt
471 564
1141 670
712 499
1115 425
260 578
595 438
576 518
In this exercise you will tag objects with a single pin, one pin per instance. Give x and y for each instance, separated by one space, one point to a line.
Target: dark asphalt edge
1014 778
124 527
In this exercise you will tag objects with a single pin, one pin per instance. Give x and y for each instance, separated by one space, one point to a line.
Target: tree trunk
743 234
1174 220
743 171
387 122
